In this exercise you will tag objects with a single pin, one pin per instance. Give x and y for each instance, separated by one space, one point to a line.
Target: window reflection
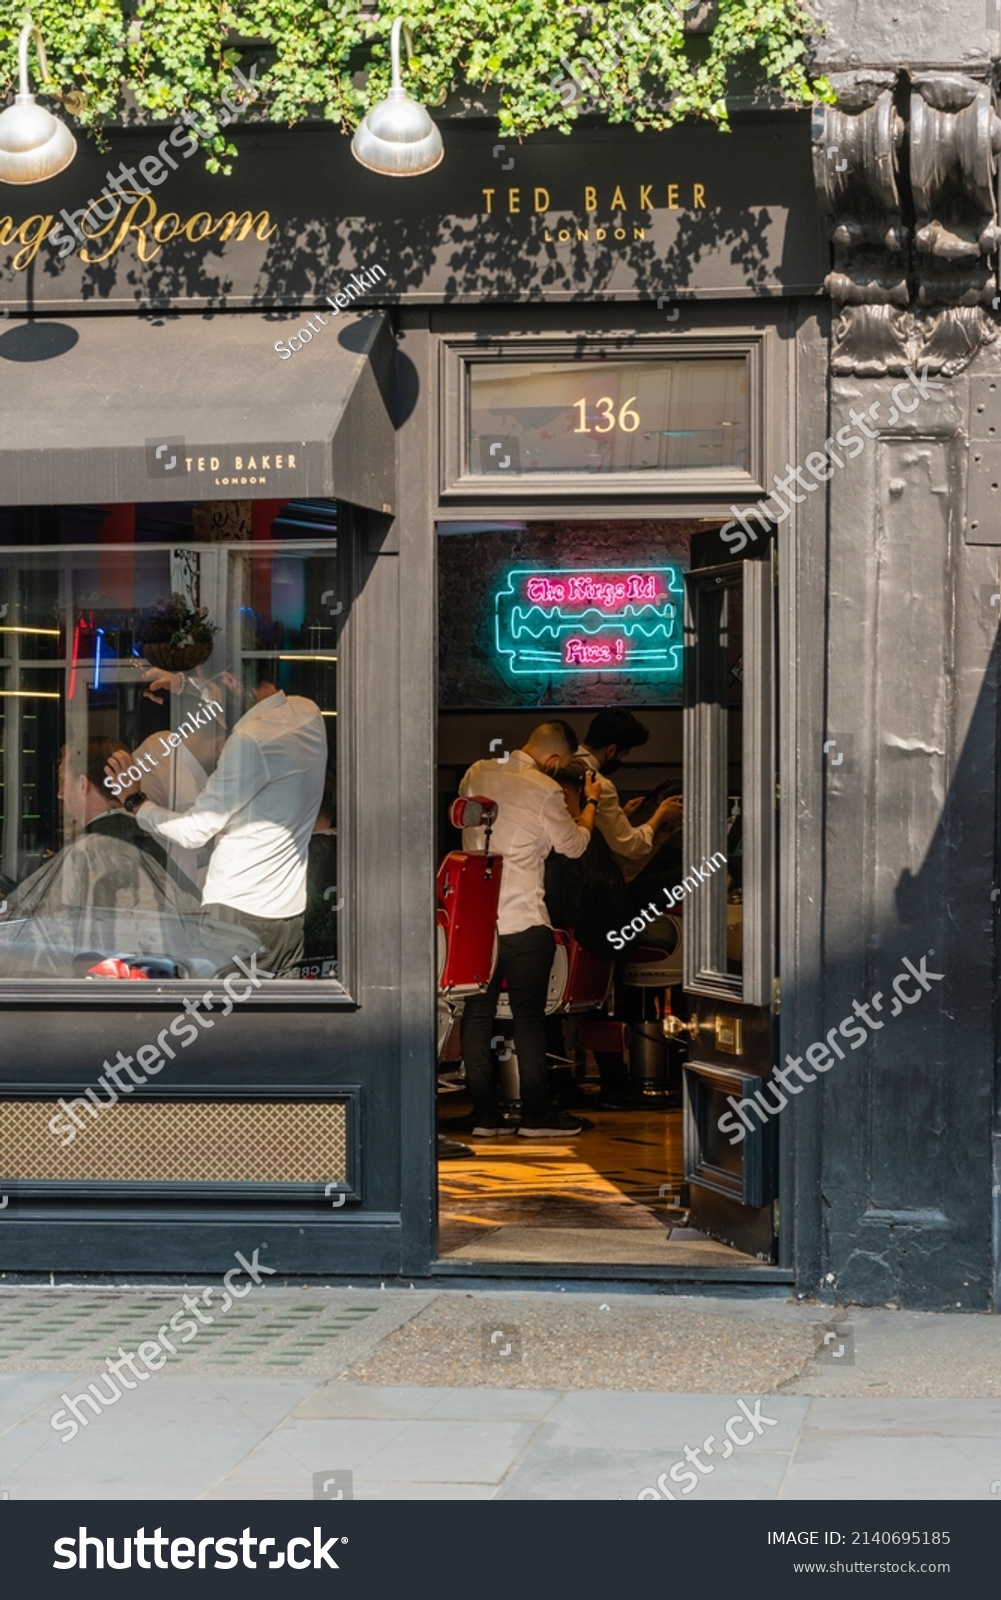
168 787
686 414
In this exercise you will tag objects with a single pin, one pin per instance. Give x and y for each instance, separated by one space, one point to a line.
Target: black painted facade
867 285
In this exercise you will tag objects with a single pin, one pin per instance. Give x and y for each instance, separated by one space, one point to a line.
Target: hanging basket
175 657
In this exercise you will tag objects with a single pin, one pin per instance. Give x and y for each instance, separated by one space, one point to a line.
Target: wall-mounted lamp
397 137
33 143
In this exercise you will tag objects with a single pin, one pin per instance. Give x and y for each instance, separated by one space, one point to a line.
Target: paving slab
597 1395
827 1467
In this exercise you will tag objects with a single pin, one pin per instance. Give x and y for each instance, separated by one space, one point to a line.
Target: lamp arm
399 26
25 35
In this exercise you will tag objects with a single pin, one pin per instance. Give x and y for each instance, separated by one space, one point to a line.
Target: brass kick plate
730 1035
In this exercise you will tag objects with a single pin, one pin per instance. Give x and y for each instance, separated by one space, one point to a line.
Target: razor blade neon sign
598 619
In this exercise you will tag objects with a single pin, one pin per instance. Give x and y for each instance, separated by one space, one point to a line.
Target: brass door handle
674 1027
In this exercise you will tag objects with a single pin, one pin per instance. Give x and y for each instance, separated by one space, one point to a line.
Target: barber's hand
670 813
157 681
115 767
633 804
592 786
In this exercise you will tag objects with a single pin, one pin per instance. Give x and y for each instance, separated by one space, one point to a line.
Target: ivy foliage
539 63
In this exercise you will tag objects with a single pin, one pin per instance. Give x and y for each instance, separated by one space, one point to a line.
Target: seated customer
88 804
109 862
586 893
589 897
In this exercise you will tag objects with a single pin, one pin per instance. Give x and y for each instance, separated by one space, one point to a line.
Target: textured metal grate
72 1330
179 1141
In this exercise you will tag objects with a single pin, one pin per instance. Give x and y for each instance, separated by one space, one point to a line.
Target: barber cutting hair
532 820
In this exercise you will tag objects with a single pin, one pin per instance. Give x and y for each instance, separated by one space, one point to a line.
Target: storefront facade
368 513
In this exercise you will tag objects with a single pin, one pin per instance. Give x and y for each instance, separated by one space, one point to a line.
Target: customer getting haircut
89 759
616 726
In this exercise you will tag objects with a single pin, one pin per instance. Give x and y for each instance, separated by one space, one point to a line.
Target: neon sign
605 619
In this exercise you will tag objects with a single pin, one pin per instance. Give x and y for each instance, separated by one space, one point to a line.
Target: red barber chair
468 889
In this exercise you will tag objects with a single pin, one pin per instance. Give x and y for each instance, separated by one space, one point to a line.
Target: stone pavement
430 1394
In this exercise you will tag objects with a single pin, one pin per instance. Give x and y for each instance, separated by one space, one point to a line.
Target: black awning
114 409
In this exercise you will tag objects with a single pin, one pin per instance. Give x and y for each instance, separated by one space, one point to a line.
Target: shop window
572 417
162 655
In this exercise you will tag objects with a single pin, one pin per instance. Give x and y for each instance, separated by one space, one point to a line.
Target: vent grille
178 1141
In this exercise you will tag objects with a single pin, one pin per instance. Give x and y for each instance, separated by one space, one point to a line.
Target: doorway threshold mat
599 1246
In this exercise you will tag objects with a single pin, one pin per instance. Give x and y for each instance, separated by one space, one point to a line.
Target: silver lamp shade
33 143
397 137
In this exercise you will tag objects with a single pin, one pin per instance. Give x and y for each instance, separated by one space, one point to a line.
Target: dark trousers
524 960
280 938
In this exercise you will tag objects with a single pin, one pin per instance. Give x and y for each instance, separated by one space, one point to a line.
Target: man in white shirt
259 805
532 819
611 737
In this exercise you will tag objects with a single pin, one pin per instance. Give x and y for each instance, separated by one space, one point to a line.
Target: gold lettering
544 204
600 233
583 233
513 202
209 227
639 233
32 244
618 200
699 195
245 222
563 235
672 197
8 232
488 195
123 220
168 216
590 198
646 203
291 461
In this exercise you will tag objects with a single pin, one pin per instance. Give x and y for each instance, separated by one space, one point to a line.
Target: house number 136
627 420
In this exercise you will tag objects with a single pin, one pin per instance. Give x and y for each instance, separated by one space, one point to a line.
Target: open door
730 965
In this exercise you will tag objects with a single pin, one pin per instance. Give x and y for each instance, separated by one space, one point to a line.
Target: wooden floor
604 1196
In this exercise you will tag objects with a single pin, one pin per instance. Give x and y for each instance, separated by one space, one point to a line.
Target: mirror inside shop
168 728
562 890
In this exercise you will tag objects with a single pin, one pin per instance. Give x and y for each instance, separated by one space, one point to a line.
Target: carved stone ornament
955 139
855 150
881 341
896 312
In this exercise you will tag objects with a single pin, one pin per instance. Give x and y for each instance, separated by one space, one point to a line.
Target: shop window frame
342 992
705 781
458 481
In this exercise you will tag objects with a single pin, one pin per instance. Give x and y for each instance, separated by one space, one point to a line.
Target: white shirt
532 819
261 801
633 846
174 784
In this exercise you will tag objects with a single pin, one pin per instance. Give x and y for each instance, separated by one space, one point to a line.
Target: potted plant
175 635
